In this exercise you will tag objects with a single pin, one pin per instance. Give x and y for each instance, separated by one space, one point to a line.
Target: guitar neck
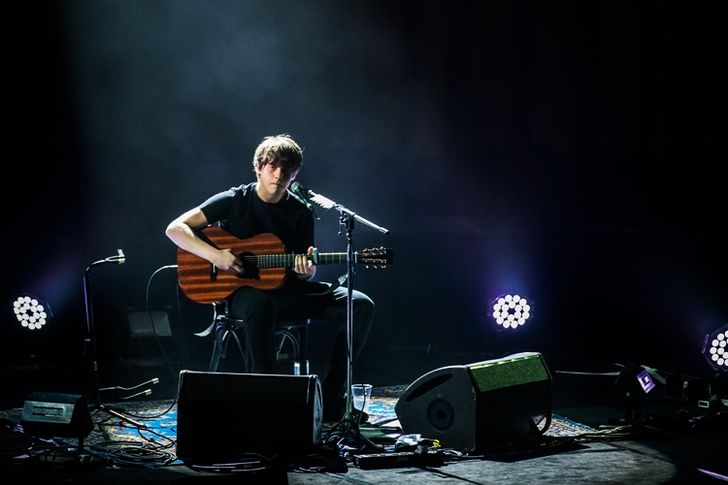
287 260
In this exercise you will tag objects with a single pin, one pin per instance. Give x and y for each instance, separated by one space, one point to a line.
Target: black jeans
298 300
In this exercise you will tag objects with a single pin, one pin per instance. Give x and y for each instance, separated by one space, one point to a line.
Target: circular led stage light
715 349
511 311
30 312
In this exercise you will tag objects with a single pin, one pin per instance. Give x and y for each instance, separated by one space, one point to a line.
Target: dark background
570 152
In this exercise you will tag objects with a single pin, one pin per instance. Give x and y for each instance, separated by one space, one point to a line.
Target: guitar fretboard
287 260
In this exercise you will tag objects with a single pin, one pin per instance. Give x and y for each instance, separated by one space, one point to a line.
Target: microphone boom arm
344 211
309 195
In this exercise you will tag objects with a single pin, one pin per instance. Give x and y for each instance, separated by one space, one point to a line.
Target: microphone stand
346 219
91 340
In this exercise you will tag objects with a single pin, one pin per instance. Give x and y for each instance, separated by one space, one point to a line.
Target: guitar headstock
375 257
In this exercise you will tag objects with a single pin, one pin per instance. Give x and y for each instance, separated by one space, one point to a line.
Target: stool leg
243 352
303 347
218 348
286 334
295 342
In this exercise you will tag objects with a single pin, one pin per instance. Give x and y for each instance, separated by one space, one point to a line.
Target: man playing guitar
261 212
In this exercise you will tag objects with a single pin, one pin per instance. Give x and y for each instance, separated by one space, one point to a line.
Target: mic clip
118 258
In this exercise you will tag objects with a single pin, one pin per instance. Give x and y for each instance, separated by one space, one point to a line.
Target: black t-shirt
243 214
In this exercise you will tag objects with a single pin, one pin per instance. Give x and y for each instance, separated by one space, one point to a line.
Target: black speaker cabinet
478 406
52 414
221 416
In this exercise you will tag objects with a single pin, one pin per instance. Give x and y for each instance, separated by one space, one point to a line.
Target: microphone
152 381
145 392
301 191
309 196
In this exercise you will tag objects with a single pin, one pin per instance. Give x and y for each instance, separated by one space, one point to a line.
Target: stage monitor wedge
222 416
481 405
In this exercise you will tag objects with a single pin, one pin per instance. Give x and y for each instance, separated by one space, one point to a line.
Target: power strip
400 459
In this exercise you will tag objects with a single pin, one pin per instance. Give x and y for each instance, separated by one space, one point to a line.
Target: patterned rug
160 421
380 411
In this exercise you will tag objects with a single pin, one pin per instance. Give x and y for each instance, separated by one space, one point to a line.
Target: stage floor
677 442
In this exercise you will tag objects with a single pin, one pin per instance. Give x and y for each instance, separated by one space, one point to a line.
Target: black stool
291 336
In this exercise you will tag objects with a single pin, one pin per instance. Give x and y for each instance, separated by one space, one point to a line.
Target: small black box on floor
221 416
481 405
53 414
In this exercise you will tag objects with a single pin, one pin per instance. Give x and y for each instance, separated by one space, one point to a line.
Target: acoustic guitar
265 260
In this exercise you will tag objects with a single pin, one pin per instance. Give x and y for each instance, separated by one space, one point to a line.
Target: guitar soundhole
250 268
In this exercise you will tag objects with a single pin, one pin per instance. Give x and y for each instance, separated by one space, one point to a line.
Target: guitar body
202 282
